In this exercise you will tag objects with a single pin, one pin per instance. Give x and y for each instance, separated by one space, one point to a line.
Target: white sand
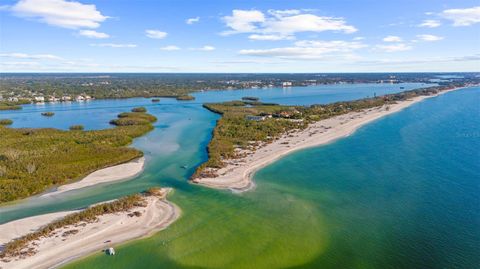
114 173
109 231
18 228
237 175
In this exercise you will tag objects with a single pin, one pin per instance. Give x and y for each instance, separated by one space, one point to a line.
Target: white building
39 99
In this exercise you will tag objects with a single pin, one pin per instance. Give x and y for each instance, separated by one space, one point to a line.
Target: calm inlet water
401 192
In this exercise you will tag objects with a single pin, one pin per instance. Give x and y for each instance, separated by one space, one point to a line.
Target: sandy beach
110 174
237 175
69 243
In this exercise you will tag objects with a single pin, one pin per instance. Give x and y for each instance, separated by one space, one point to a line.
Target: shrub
139 109
76 128
6 122
185 98
48 114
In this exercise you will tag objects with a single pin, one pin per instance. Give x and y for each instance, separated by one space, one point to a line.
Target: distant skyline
239 36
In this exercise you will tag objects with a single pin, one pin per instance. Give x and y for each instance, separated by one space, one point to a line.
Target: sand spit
70 243
237 175
109 174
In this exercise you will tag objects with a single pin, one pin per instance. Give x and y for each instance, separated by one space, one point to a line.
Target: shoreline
237 176
110 174
75 241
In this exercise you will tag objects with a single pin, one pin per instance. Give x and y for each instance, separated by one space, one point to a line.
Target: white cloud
192 20
462 17
307 23
392 38
430 24
170 48
394 47
283 23
93 34
66 14
269 37
17 55
156 34
243 21
204 48
358 38
114 45
308 50
429 37
286 12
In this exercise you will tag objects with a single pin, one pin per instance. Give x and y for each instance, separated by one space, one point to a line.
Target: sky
287 36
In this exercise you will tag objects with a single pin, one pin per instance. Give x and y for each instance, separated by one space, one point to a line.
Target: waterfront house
287 84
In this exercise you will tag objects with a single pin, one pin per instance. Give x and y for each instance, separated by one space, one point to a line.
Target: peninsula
251 135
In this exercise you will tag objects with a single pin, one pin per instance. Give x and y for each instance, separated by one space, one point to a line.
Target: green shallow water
401 192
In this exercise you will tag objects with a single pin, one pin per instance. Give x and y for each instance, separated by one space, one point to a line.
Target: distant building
80 98
287 84
39 99
66 98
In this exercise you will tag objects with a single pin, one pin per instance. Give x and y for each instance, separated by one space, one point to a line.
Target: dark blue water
403 192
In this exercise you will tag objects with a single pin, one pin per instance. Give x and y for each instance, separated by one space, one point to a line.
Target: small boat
184 167
401 88
110 251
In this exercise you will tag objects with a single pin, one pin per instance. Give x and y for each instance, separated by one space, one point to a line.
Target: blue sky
239 36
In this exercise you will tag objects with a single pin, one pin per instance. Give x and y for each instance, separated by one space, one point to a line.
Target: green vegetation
48 114
33 160
244 125
6 122
139 109
76 128
133 118
9 105
234 130
185 98
19 247
155 100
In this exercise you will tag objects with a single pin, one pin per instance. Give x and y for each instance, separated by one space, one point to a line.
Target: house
287 84
39 99
80 98
66 98
53 99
